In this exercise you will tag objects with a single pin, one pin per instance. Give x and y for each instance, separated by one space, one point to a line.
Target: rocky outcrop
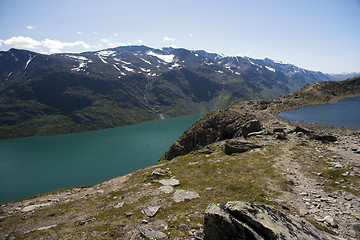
240 220
250 127
246 118
213 127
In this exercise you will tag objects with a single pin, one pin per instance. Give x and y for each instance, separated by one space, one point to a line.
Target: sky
320 35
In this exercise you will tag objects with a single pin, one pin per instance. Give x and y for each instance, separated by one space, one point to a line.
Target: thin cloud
59 45
190 35
80 33
104 40
22 42
31 27
54 46
169 39
139 42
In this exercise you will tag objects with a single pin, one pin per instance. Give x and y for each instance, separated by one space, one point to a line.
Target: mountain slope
291 171
62 93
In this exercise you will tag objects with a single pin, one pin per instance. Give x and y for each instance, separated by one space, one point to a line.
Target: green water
41 164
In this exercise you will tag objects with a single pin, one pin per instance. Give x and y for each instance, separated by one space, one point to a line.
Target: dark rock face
237 146
324 138
251 126
213 127
240 220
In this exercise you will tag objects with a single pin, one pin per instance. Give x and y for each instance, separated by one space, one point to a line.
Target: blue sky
319 35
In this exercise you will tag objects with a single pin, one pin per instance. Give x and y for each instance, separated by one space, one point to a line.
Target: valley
64 93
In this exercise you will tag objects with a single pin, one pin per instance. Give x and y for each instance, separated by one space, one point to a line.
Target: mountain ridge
64 93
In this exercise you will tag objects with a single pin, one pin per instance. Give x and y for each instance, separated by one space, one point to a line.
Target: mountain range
62 93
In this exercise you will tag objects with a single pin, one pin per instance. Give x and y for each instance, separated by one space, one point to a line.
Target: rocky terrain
231 169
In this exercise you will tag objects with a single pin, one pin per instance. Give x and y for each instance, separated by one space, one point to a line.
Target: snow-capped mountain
74 92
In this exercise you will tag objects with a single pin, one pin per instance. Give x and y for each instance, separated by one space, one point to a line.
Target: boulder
169 182
182 195
152 234
302 130
323 138
166 189
158 172
151 211
240 220
281 136
251 126
236 146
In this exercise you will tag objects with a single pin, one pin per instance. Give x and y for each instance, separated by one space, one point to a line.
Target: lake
34 165
345 113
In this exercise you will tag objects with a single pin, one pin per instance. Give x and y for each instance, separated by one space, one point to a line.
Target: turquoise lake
345 113
34 165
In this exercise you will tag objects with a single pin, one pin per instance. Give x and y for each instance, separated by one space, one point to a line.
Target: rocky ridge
309 171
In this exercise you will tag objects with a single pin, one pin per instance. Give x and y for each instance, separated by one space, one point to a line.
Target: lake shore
297 171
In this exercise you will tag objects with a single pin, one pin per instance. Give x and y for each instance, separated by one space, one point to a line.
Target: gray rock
169 182
152 234
255 134
251 126
119 205
45 228
240 220
166 189
302 130
330 221
158 172
281 136
35 206
182 195
237 146
151 211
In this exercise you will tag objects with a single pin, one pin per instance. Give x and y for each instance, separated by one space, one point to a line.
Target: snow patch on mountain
270 68
28 61
145 70
102 60
127 63
106 53
166 58
280 62
16 59
128 69
78 57
116 68
148 62
79 68
252 63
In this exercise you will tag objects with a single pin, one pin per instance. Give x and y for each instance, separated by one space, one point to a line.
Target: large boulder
323 138
251 126
237 146
240 220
